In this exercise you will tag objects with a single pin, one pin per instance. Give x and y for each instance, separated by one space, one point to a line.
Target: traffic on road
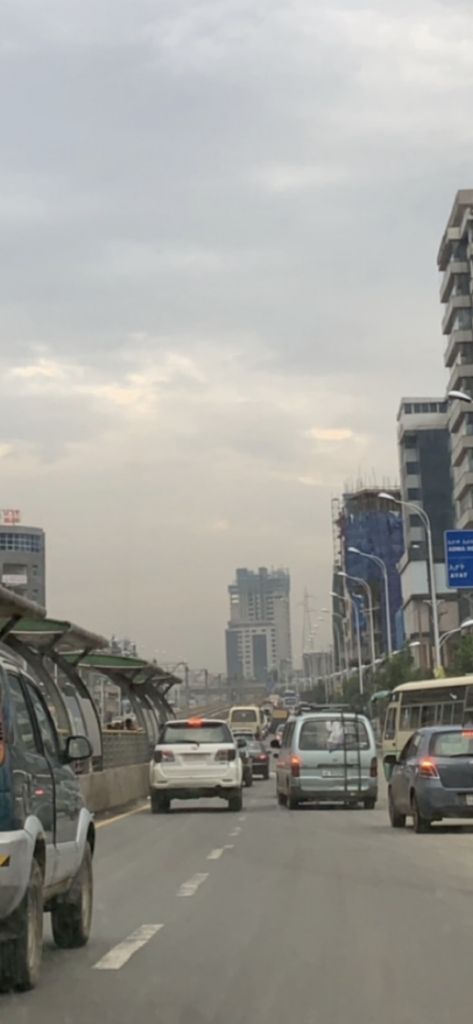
191 913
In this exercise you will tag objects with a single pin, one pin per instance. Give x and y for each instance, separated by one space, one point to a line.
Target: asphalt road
265 917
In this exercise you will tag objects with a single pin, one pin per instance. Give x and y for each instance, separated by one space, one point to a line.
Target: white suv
196 758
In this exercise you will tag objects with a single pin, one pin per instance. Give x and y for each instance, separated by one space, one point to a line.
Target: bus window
428 715
446 715
458 712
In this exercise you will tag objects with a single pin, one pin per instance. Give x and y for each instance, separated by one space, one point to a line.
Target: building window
412 468
415 520
410 441
407 407
413 494
32 543
433 407
417 407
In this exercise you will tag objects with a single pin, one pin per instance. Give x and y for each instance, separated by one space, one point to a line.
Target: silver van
327 757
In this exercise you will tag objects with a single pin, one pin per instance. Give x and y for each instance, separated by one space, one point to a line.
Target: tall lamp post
382 565
433 590
366 587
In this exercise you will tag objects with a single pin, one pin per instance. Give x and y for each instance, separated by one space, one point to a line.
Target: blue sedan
433 777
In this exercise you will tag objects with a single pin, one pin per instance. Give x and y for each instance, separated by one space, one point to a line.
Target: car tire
249 779
71 918
266 774
397 820
20 966
292 802
369 804
235 803
282 798
420 823
159 804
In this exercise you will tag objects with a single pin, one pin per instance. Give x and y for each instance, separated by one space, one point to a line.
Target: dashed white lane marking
243 818
190 887
119 955
216 854
229 846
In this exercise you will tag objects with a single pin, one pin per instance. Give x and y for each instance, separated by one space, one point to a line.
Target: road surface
265 917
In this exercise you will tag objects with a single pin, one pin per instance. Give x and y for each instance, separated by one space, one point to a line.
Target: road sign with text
459 558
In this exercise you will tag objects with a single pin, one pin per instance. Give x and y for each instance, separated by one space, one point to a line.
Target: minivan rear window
208 732
244 715
331 734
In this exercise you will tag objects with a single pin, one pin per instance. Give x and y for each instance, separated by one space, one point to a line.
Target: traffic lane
322 914
315 912
141 863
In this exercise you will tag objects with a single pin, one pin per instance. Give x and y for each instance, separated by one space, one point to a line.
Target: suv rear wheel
72 917
21 957
160 804
235 803
397 820
420 824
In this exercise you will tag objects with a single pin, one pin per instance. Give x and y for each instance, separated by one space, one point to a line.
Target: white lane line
190 887
230 846
236 832
243 818
118 956
216 854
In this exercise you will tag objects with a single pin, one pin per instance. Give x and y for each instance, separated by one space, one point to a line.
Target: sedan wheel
420 824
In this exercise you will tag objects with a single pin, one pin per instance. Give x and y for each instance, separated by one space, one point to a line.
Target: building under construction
364 521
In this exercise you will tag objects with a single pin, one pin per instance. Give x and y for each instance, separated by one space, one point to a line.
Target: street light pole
382 565
365 585
458 629
358 641
433 589
338 615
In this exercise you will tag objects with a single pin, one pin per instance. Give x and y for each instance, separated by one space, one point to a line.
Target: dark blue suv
47 835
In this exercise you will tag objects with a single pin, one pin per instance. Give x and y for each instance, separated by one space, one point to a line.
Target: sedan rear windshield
208 732
332 734
452 744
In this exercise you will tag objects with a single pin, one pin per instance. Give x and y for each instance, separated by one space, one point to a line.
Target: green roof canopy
55 634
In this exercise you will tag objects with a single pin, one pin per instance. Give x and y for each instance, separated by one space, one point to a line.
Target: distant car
196 758
244 741
260 759
432 778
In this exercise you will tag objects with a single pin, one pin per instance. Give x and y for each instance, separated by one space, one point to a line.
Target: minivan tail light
374 768
295 763
163 756
427 769
226 755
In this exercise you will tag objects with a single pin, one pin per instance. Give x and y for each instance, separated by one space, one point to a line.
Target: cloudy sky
219 222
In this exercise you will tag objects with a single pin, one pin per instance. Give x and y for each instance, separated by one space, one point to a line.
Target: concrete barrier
115 788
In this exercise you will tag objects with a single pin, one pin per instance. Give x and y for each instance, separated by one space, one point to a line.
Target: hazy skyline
218 253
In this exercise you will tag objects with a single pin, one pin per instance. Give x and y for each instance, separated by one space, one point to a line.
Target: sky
219 225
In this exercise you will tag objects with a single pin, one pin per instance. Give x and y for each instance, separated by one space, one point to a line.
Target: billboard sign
10 516
459 559
14 580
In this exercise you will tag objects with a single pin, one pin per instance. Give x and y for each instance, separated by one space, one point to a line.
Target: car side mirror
275 744
78 748
241 743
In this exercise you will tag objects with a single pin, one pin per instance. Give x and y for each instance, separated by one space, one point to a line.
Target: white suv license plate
469 799
326 775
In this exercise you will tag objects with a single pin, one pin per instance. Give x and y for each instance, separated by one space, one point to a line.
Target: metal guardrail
125 748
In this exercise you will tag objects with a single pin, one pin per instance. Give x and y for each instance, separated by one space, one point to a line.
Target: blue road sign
459 558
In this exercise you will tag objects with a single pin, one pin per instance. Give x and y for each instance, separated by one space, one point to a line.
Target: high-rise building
425 476
366 524
455 261
23 560
258 636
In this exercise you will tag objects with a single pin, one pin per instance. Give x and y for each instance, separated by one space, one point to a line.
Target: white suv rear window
208 732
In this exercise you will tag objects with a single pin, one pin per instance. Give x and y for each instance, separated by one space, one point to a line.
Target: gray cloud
219 225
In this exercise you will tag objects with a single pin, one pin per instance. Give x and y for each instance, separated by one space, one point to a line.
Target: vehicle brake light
295 763
263 757
162 756
427 769
226 755
468 733
194 723
374 768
